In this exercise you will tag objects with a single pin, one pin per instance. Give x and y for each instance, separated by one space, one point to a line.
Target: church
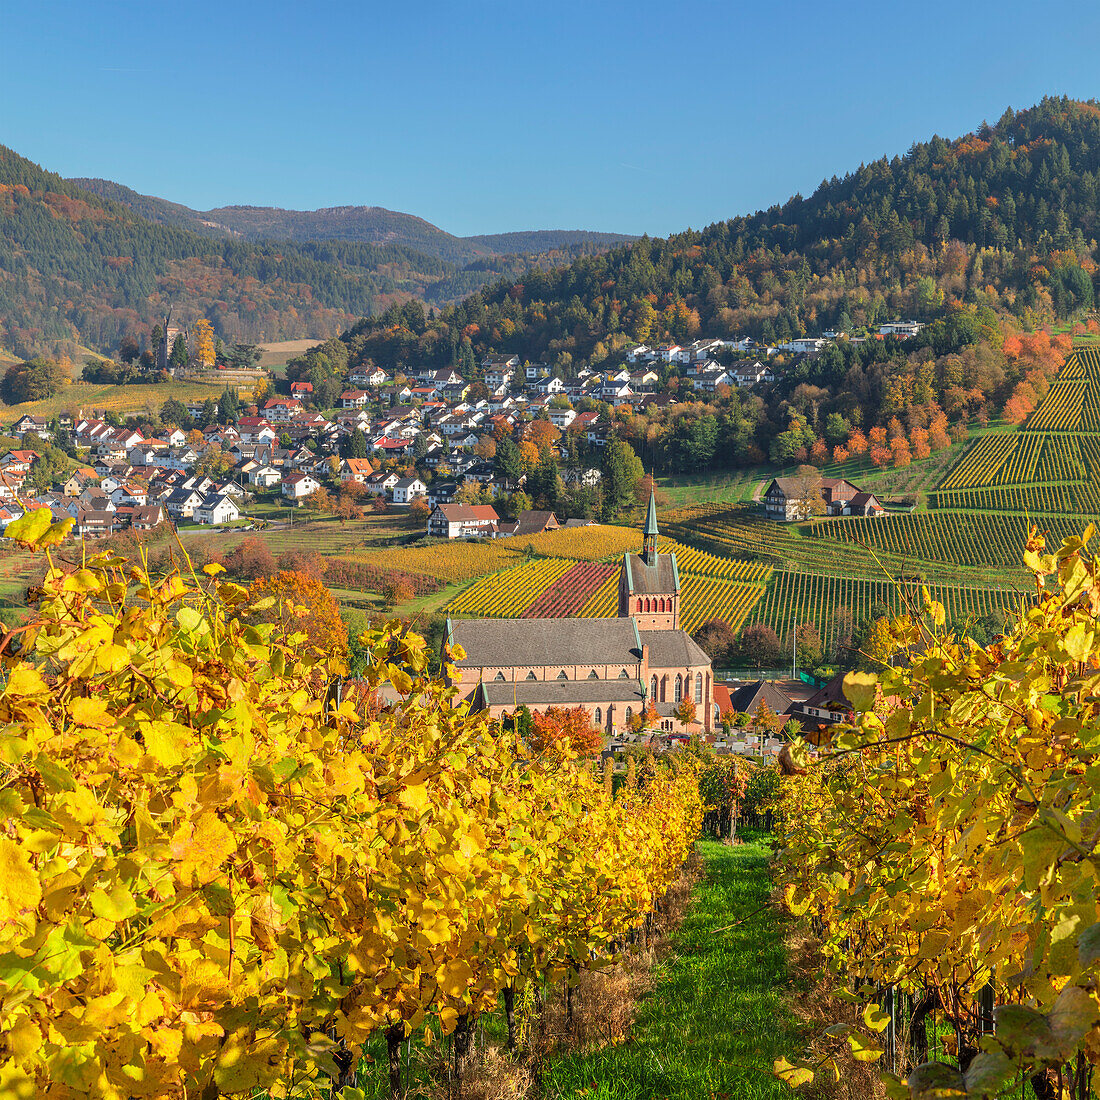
612 667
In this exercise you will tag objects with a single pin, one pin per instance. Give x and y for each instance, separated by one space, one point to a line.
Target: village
394 439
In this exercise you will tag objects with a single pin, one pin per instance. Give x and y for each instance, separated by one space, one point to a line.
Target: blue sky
486 117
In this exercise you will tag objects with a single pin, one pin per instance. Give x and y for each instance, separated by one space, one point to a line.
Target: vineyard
216 881
966 538
556 587
794 598
944 849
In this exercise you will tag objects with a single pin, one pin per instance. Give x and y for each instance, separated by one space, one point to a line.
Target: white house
264 477
299 485
217 509
408 489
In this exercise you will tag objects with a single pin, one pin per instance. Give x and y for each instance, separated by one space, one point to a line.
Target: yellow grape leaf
90 712
30 526
242 1067
415 798
24 680
116 906
19 885
165 742
875 1018
862 1050
792 1075
861 688
200 848
455 978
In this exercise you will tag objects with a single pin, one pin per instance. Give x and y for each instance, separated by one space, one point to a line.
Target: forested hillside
98 268
1003 218
363 224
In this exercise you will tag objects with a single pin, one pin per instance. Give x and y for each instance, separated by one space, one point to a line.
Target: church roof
672 649
559 693
662 578
507 643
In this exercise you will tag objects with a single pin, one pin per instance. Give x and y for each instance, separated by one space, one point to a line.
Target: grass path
716 1019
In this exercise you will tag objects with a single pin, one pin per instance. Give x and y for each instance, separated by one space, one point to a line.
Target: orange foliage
857 443
561 726
302 604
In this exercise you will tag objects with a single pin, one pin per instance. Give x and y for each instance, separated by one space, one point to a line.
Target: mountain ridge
348 222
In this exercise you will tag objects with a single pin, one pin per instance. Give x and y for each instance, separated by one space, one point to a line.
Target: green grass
717 1018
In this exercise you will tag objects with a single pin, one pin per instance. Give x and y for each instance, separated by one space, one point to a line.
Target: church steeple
649 535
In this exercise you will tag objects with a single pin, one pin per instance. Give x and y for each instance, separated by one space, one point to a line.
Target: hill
93 267
361 224
1002 219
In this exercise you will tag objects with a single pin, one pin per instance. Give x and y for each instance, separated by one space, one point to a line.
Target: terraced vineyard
966 538
1050 467
553 588
794 598
570 591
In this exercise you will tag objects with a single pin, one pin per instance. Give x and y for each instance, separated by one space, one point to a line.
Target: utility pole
794 652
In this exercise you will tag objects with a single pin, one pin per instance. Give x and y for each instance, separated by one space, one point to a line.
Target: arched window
562 675
699 688
531 676
629 713
679 690
653 690
664 688
598 722
593 675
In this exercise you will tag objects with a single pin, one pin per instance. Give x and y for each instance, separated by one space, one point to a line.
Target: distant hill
999 222
361 224
93 265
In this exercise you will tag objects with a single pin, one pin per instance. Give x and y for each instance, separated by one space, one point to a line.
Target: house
217 509
864 504
638 353
442 492
455 521
299 485
145 518
264 477
407 489
256 429
37 424
562 418
901 329
301 390
354 399
78 481
356 469
381 483
530 522
18 462
181 503
805 345
94 524
281 409
749 374
500 363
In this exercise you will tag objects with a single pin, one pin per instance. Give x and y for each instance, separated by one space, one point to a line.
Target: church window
593 675
699 688
562 675
679 693
598 720
629 713
653 689
531 676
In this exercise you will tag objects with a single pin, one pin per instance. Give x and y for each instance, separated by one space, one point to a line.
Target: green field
124 400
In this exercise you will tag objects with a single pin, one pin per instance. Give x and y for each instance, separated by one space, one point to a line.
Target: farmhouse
455 521
613 668
797 498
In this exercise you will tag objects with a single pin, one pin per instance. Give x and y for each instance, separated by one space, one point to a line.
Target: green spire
651 517
649 535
